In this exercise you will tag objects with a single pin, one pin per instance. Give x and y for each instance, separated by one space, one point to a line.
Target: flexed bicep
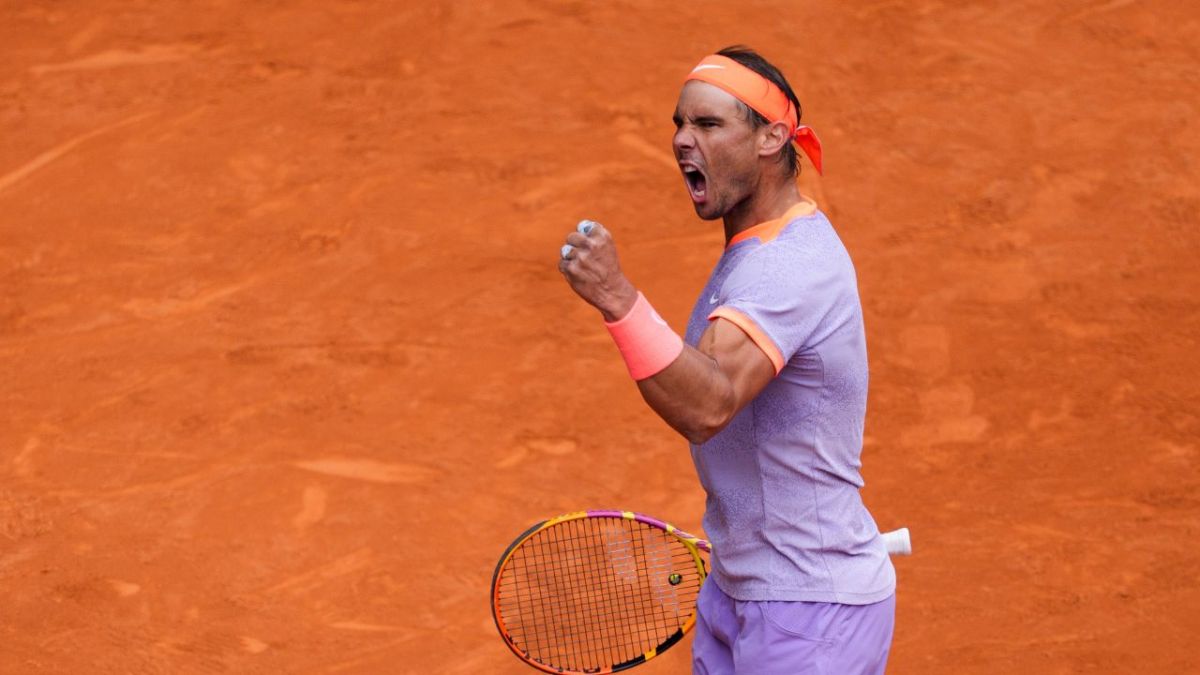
739 357
707 385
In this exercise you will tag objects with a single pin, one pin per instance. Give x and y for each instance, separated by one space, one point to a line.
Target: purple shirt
783 510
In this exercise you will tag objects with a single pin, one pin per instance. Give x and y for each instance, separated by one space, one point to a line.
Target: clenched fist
589 263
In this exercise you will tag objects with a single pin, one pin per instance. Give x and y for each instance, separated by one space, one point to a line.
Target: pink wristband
646 342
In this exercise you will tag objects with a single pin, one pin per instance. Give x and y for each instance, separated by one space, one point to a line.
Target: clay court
286 361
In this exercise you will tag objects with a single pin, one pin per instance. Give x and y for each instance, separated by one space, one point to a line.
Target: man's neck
767 203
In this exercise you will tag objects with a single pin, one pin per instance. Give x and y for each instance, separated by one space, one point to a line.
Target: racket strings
596 592
608 639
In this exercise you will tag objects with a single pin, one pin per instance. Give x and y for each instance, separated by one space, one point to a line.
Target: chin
707 211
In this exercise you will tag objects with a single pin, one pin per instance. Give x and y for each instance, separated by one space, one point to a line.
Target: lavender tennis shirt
783 509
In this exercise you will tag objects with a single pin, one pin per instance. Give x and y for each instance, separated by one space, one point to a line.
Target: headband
762 95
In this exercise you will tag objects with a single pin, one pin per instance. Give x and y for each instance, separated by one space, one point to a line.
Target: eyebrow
678 119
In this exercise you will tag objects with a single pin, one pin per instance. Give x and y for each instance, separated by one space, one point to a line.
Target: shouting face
716 147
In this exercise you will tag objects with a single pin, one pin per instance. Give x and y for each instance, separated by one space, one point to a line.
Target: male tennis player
769 385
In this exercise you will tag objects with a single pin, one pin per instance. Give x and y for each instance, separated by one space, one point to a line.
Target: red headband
762 95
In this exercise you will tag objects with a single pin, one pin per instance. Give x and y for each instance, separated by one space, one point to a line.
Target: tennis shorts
735 637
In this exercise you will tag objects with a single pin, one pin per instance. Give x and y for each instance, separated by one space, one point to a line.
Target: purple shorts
736 637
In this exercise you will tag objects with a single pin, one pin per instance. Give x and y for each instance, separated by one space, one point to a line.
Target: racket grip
897 542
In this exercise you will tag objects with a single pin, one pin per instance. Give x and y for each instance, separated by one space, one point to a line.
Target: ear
772 139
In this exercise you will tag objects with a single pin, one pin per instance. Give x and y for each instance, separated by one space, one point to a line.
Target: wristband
645 341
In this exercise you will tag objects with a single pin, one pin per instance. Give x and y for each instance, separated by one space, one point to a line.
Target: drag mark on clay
648 150
85 36
63 148
157 308
22 464
360 657
368 470
354 353
305 581
1095 8
365 627
176 483
588 177
114 58
208 651
554 447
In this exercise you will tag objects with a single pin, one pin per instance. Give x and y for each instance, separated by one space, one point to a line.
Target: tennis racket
603 591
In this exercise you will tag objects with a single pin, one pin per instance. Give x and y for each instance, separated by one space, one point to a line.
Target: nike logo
706 66
714 299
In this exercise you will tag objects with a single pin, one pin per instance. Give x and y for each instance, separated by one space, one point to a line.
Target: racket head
597 591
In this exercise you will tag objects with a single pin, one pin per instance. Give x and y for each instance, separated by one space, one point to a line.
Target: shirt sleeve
780 304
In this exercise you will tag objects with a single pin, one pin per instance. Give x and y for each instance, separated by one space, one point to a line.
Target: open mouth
697 182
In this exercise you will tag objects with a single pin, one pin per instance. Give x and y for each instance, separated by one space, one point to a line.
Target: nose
683 141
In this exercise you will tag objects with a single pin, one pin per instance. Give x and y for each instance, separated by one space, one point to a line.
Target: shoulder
811 238
806 250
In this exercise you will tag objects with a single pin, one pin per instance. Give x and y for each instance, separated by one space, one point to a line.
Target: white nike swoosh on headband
707 65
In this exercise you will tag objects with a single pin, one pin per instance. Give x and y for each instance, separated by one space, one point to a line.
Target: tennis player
769 386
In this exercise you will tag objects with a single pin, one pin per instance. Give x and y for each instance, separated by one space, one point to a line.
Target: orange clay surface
286 362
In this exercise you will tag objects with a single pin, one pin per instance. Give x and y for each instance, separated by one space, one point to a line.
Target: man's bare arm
702 390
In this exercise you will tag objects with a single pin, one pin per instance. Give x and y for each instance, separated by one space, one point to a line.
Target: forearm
692 395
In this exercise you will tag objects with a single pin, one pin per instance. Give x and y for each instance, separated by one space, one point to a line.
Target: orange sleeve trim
766 232
751 329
